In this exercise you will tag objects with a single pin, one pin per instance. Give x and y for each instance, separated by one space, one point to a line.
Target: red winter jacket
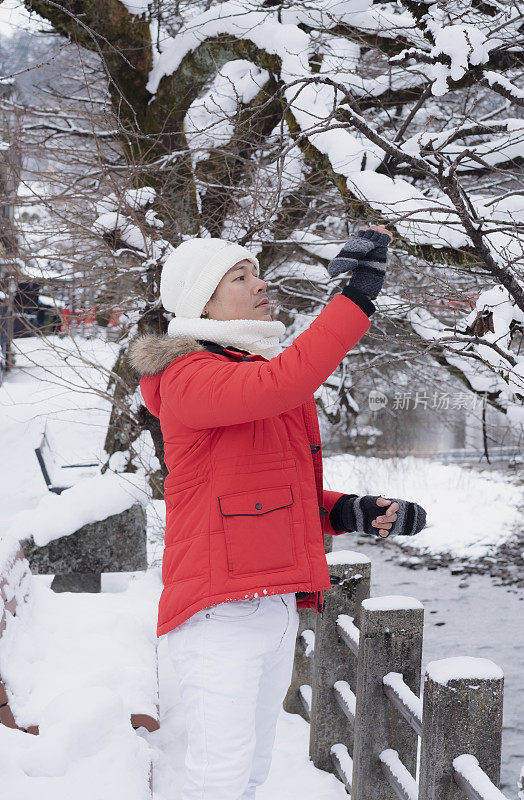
246 510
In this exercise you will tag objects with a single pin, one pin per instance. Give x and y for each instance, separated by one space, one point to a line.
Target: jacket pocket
258 529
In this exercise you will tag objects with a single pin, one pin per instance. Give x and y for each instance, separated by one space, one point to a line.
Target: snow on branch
503 86
122 232
486 359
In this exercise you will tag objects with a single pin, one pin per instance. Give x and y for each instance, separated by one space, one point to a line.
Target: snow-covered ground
54 390
468 513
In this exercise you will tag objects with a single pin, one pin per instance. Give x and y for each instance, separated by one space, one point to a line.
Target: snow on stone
78 665
306 693
348 696
391 759
90 500
341 753
392 602
309 640
347 624
462 667
349 557
468 766
395 680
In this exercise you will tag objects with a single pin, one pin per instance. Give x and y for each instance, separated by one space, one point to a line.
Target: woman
245 507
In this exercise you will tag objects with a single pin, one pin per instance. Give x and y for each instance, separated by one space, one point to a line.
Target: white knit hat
193 271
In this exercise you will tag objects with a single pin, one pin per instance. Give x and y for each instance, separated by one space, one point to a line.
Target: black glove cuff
367 280
341 515
359 298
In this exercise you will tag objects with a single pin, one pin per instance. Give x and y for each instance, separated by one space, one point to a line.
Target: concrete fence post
302 667
333 661
302 664
462 713
391 630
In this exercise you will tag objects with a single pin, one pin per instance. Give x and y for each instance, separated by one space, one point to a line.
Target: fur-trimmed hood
150 354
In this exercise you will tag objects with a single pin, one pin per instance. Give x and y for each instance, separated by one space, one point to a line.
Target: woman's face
239 294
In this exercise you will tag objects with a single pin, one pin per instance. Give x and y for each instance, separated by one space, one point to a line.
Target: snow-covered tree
286 126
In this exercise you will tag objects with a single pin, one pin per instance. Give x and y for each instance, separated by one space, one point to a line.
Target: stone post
462 714
333 661
115 544
391 630
302 665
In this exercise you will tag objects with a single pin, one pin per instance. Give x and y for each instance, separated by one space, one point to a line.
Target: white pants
234 662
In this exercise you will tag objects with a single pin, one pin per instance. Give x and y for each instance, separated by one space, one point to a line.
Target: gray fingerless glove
355 248
353 513
365 256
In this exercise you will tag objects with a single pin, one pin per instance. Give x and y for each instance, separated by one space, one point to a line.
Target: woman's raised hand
380 229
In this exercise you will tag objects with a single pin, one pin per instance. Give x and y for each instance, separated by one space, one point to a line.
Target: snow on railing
308 637
473 780
397 775
346 699
343 764
358 682
349 632
404 700
305 696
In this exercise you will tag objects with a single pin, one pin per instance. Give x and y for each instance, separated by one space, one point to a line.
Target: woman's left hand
384 521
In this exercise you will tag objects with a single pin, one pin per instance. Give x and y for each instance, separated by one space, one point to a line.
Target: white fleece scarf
259 336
